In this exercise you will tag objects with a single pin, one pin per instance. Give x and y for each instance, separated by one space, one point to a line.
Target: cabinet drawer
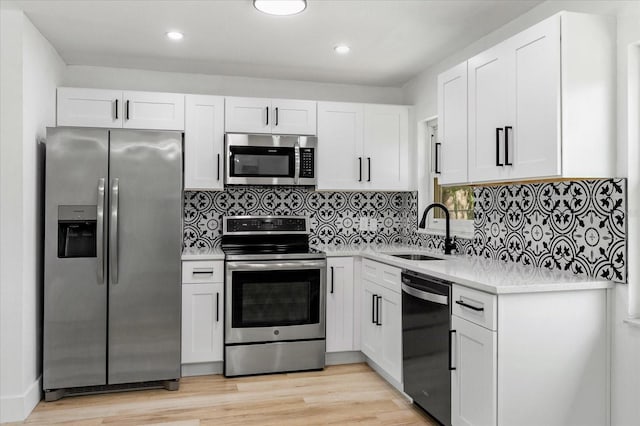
390 277
475 306
202 271
371 270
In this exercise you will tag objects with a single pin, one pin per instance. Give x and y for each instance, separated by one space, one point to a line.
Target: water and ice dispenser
76 231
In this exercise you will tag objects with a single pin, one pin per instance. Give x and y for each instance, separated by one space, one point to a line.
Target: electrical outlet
373 224
363 223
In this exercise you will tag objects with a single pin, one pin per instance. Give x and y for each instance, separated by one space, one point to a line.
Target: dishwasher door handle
425 295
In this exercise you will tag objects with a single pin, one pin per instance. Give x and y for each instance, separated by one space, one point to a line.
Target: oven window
275 298
262 161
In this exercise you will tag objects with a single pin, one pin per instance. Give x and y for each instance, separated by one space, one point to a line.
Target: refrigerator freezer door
144 302
75 292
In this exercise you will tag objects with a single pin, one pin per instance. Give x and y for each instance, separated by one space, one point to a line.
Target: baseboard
17 408
202 369
350 357
384 374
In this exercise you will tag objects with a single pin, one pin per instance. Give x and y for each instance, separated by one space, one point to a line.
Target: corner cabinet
204 143
529 359
119 109
202 312
363 147
381 318
275 116
533 112
340 304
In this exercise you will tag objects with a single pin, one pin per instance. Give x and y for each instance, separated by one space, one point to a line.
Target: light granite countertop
491 276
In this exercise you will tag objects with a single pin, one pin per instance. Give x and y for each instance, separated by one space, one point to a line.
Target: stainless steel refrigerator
113 238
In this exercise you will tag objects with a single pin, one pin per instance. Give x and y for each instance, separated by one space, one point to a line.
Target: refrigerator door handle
113 231
100 231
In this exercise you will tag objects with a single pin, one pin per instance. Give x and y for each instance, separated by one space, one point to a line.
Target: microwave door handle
296 176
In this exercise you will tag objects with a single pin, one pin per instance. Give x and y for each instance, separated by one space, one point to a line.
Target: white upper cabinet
204 143
540 104
340 304
277 116
362 147
450 152
116 109
152 110
89 107
340 138
386 147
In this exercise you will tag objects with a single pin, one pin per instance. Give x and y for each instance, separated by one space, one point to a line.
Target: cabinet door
340 159
292 117
340 305
202 322
452 126
204 142
386 147
247 115
473 382
534 140
488 95
89 107
151 110
370 331
390 358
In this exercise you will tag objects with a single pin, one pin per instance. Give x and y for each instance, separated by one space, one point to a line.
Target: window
458 199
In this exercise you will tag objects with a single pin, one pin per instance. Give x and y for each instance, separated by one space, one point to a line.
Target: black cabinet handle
369 165
332 280
451 332
378 320
116 109
217 307
267 116
498 163
126 107
218 166
373 309
437 155
360 165
506 146
276 116
475 308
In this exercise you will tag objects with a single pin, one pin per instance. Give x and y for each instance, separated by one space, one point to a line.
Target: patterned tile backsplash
335 216
579 226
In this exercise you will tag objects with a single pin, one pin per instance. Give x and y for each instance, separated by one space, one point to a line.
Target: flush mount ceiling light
342 49
175 35
280 7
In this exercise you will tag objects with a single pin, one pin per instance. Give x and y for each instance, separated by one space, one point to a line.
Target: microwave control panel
306 162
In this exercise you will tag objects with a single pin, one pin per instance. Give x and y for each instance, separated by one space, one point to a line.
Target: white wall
28 107
134 79
422 92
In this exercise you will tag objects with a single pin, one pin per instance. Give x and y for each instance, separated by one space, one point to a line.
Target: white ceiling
391 40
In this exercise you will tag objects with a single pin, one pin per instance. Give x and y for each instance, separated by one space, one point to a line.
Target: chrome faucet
449 244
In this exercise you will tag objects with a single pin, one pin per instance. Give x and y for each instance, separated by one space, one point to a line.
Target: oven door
262 160
270 301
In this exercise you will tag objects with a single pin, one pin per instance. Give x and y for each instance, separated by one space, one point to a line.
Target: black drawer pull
475 308
498 163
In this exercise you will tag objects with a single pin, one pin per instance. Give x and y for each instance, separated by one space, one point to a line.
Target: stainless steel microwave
270 159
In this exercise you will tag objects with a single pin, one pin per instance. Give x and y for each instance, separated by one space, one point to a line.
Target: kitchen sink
415 256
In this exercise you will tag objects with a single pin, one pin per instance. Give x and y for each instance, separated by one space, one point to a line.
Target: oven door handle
263 266
296 176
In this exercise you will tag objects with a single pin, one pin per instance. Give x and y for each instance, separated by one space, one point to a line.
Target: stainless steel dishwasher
426 343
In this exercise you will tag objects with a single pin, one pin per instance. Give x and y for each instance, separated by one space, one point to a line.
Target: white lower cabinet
340 304
381 318
202 313
473 381
529 359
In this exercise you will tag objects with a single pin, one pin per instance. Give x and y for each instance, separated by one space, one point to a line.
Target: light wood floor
342 394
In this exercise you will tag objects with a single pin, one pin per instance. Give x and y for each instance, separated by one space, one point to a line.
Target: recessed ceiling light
342 49
175 35
280 7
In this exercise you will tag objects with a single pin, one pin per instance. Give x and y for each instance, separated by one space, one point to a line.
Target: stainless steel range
275 301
